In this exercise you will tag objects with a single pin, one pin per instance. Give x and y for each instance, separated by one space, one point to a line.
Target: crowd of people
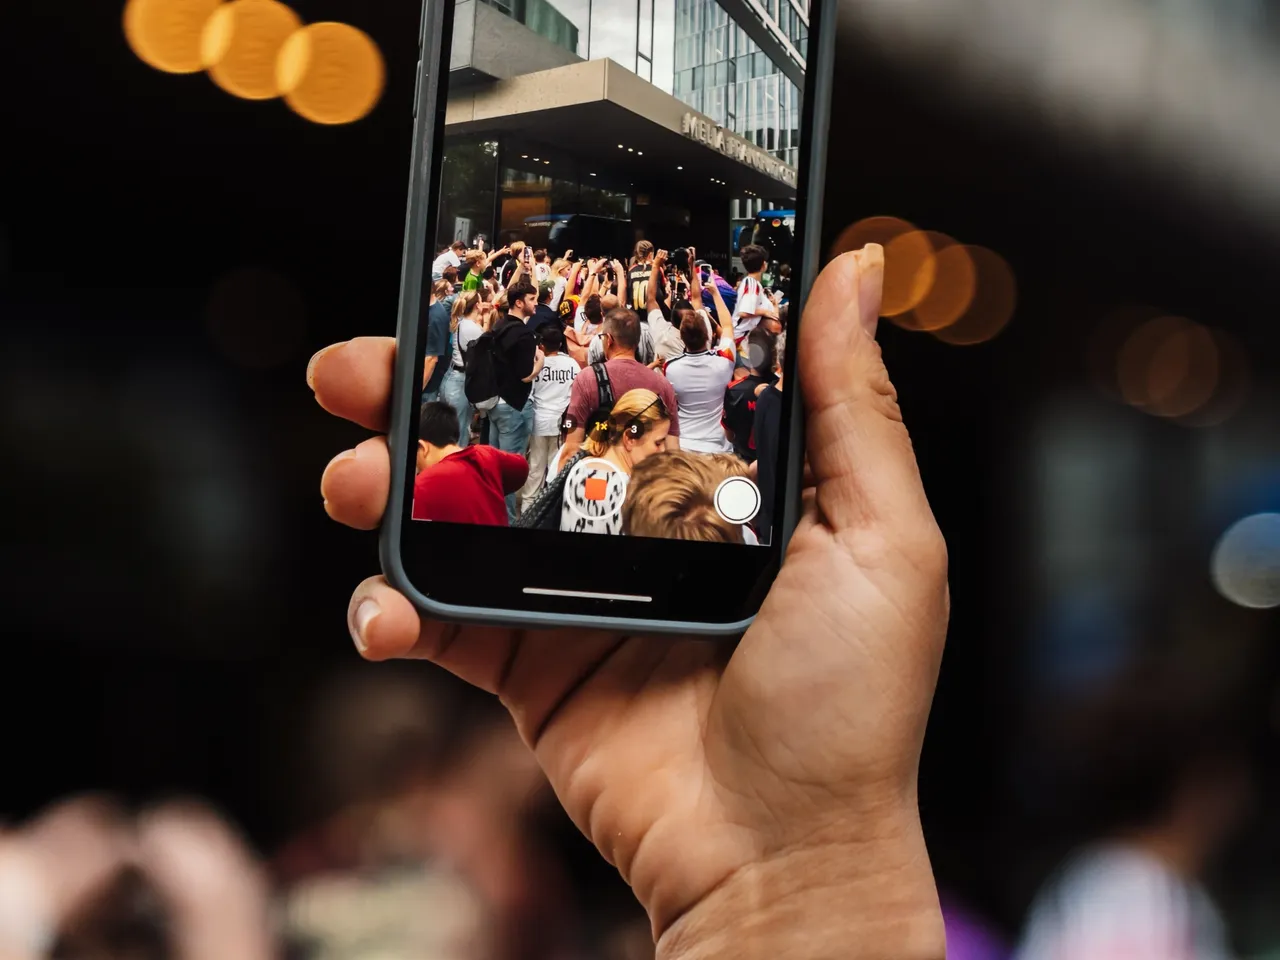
597 396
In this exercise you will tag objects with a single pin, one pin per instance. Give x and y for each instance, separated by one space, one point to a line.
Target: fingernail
311 364
324 474
870 286
366 612
344 455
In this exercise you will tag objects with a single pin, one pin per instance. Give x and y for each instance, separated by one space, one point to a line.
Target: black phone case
435 33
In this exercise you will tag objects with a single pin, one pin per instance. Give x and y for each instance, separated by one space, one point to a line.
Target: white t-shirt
1117 901
446 259
666 336
601 512
557 292
468 332
541 272
699 380
746 312
551 392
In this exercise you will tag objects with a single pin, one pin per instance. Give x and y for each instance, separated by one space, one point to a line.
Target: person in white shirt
1167 780
541 267
469 318
667 342
451 257
753 303
551 391
700 375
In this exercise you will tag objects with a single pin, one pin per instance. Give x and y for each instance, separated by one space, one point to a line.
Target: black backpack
604 397
481 368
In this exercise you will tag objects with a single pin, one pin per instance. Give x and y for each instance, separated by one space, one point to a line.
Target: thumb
859 450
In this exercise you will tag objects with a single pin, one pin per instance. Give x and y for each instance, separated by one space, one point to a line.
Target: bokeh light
881 230
1105 342
1245 566
910 269
256 318
240 44
331 73
1168 367
952 289
995 297
166 34
1233 383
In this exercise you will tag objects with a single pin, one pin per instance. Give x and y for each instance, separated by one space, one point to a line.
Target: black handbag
544 512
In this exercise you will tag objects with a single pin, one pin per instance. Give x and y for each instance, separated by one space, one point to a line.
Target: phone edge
436 22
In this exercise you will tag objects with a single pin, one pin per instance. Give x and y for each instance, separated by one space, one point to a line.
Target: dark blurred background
175 597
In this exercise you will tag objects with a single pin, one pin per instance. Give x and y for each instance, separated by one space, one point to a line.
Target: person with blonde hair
470 317
436 351
476 262
673 496
596 478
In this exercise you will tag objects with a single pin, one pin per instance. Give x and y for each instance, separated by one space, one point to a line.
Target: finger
859 450
385 625
356 483
352 380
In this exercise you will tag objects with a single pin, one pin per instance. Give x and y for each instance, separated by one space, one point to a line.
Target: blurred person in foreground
1166 780
672 496
86 880
759 796
430 843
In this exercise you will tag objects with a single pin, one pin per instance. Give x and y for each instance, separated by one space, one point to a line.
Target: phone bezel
699 589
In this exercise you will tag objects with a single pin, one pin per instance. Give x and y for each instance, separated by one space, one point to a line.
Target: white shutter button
737 500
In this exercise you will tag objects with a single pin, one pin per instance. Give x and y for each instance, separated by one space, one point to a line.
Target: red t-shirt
469 486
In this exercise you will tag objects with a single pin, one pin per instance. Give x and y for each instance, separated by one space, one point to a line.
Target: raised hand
760 799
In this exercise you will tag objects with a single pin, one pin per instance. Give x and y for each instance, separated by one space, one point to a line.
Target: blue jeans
509 430
453 391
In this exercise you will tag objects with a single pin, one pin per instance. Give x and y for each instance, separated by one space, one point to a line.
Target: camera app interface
610 268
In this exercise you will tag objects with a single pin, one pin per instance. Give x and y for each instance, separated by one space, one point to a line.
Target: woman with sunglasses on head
596 485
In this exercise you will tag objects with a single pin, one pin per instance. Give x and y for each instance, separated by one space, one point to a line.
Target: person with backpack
469 319
506 360
550 397
620 340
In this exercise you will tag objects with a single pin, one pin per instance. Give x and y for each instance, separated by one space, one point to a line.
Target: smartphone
531 487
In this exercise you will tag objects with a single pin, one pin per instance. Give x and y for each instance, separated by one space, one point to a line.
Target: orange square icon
597 488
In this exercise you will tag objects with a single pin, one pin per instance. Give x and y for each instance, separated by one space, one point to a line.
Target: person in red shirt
460 485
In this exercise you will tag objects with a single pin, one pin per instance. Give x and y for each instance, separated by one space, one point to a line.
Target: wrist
869 898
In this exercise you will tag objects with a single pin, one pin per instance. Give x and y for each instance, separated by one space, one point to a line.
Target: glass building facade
723 73
692 49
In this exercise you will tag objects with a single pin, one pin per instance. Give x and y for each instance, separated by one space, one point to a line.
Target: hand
568 255
760 800
660 257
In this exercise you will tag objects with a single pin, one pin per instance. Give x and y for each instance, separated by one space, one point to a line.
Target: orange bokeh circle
991 307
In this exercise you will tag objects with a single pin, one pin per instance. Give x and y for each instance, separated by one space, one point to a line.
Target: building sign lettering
701 129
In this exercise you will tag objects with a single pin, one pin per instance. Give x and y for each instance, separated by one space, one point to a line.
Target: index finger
352 380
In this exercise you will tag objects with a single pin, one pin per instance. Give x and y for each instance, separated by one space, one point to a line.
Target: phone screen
578 378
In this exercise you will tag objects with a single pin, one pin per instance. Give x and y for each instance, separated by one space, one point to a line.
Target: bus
772 229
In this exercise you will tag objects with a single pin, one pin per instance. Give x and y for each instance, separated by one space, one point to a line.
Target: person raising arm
666 335
759 796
